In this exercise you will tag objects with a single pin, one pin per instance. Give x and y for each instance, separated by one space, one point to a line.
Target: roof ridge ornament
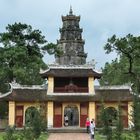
70 12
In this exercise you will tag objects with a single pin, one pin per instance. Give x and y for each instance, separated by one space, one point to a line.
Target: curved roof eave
8 93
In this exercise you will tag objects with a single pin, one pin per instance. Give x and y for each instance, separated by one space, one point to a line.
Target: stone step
67 130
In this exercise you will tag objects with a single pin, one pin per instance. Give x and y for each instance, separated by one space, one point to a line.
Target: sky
100 19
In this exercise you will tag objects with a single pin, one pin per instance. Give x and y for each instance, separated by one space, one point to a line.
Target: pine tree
119 124
104 120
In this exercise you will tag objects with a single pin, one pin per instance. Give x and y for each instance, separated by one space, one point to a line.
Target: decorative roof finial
70 12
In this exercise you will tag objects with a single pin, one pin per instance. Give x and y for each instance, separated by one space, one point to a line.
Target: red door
57 115
124 108
19 116
83 114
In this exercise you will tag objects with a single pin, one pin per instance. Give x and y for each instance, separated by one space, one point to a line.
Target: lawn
128 135
1 134
43 136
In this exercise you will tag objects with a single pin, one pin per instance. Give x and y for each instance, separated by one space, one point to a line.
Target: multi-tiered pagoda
71 41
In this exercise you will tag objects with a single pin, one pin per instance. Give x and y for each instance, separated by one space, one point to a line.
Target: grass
127 135
43 136
98 136
1 135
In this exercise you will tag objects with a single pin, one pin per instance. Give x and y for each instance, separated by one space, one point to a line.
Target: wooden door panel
83 114
57 121
19 116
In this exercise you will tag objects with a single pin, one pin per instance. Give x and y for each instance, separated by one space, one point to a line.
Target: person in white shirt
92 127
66 119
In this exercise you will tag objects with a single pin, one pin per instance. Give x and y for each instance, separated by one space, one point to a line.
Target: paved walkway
69 136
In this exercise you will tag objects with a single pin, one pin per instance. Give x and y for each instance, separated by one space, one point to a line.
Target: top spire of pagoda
70 12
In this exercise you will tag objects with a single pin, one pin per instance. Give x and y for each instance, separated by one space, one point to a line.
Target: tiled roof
33 95
71 71
26 95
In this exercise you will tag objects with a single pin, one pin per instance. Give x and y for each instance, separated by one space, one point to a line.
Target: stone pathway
69 136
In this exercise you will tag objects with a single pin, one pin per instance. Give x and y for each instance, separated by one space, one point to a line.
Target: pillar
50 114
50 84
92 110
91 85
11 113
130 112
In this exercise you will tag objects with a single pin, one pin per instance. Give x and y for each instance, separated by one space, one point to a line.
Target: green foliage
136 117
37 125
117 68
125 69
53 49
21 55
105 124
27 134
9 135
128 136
3 109
22 135
119 125
34 123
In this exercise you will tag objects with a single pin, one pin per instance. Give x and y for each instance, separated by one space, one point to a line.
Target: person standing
88 125
93 123
92 128
66 119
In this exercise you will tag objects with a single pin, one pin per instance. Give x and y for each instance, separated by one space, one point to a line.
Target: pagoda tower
71 42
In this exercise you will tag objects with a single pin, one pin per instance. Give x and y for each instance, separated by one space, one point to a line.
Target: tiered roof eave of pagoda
56 70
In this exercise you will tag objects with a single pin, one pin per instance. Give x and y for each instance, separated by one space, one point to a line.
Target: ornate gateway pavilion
70 89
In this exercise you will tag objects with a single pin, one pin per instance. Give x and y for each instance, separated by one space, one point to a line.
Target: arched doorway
73 115
30 115
112 115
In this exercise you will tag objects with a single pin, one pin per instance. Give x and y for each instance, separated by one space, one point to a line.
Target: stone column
91 85
50 114
11 113
130 111
91 113
50 85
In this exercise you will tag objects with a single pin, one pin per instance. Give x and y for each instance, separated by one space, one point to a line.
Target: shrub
9 135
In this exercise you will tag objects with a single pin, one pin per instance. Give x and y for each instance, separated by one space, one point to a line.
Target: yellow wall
50 85
91 113
70 104
91 85
130 111
11 113
50 114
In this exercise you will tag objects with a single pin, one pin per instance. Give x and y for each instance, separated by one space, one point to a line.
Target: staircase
68 129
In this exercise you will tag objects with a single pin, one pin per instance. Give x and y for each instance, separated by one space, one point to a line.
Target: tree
21 55
105 124
128 49
119 125
35 122
126 66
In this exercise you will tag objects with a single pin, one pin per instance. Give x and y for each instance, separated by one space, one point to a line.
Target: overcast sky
100 19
